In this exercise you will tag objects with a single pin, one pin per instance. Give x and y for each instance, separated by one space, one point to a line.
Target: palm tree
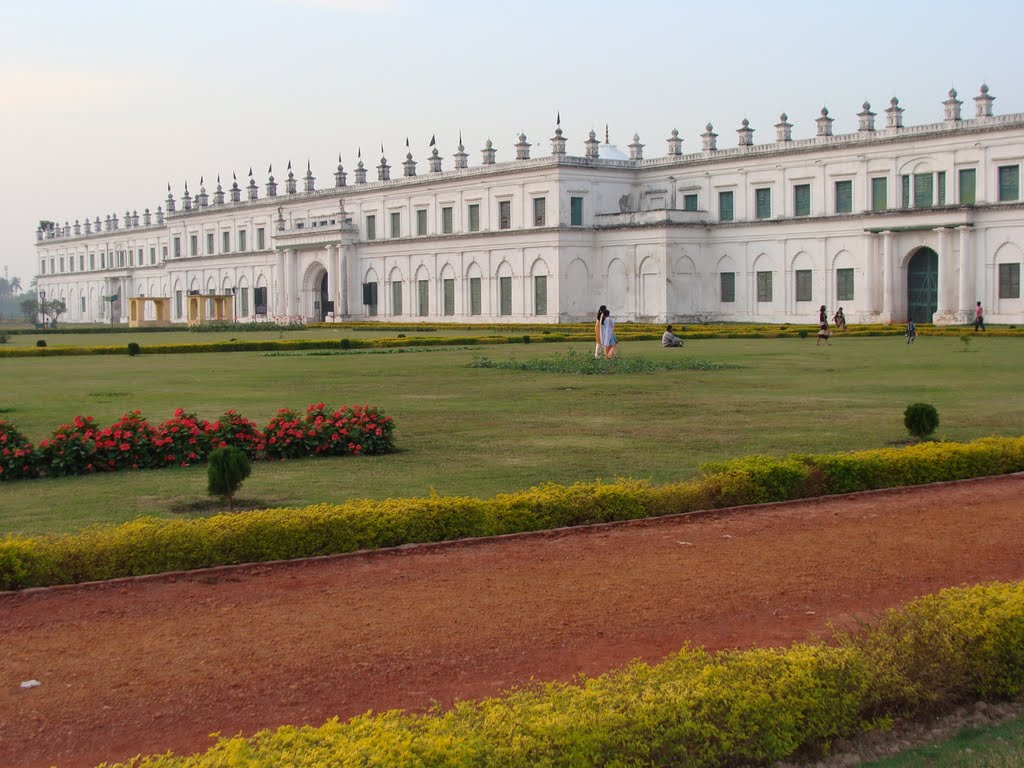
5 288
15 283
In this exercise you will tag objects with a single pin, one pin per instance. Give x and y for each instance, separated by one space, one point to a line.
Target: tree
54 308
227 469
5 288
29 308
15 283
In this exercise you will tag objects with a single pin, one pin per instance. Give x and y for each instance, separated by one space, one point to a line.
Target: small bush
921 419
227 469
803 333
41 342
133 348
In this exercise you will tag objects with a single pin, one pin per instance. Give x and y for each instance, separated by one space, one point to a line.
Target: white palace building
889 222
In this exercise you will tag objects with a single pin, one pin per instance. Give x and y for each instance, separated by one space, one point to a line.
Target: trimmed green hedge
694 710
524 333
149 545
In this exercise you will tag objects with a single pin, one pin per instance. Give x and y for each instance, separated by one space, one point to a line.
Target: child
911 332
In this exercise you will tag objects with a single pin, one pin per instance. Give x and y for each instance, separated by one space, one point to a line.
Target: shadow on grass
213 506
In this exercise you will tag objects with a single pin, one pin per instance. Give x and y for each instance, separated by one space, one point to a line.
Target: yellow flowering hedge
488 334
150 545
694 709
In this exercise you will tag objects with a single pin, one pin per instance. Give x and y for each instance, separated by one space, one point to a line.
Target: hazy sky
102 103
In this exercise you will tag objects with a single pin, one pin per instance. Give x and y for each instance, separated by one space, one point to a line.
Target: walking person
599 346
608 339
823 331
979 317
911 331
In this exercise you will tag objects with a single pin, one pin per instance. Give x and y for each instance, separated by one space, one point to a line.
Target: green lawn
1000 746
463 430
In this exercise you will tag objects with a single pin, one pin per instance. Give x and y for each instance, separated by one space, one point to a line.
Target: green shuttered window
690 202
879 193
763 203
905 189
576 211
540 294
424 297
803 284
474 218
1009 281
844 284
801 200
725 211
446 220
844 196
449 297
505 284
1009 183
475 303
728 281
968 184
396 299
764 286
923 191
940 188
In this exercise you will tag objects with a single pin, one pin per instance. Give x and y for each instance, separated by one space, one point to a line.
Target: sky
103 103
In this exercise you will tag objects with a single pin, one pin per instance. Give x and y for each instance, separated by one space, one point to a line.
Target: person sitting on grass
669 339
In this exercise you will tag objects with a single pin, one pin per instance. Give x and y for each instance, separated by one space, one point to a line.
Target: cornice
859 139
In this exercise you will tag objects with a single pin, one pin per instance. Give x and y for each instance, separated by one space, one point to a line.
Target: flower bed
81 447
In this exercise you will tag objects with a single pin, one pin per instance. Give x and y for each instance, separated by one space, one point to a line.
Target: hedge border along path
149 545
692 710
526 334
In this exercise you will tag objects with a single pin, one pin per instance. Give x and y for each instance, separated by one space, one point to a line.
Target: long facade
889 222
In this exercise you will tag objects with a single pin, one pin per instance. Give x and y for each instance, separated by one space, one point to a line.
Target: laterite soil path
149 665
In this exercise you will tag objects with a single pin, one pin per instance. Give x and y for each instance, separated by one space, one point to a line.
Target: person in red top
979 318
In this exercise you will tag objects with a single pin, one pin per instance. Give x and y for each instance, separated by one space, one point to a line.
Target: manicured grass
999 746
462 430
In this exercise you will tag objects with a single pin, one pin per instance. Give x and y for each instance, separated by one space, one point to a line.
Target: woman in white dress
608 339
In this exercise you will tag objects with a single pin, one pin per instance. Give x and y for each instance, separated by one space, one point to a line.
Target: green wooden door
923 285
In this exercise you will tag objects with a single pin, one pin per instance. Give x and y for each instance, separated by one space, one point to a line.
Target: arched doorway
923 285
313 305
323 303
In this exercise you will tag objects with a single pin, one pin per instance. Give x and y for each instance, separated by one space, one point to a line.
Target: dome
611 152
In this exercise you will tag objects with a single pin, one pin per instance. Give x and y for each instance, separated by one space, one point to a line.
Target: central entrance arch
923 285
314 304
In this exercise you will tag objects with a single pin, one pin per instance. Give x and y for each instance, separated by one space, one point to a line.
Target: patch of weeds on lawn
573 362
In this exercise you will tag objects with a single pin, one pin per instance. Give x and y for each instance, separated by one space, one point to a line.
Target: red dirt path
143 666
